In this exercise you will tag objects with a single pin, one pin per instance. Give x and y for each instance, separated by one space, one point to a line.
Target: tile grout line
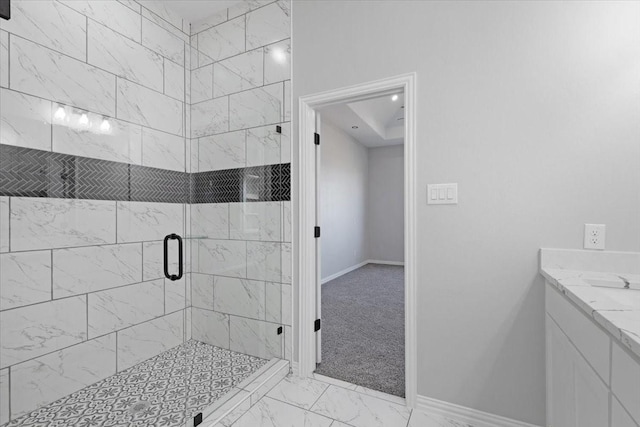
142 243
111 74
87 314
139 84
116 352
9 221
8 60
172 174
321 394
97 112
51 271
80 294
9 397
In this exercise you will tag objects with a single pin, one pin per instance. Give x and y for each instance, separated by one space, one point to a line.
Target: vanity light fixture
60 114
105 126
84 120
394 98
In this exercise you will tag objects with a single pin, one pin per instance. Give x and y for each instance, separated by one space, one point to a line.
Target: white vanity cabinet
591 380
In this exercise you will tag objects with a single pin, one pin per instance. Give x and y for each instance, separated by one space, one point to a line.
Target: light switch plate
442 194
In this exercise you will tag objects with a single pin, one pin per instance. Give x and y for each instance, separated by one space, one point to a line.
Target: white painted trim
465 415
379 261
343 272
357 266
305 242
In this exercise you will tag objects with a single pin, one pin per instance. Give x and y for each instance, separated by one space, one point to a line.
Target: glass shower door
240 232
86 310
92 179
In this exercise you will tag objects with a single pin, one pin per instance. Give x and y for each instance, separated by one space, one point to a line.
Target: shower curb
228 409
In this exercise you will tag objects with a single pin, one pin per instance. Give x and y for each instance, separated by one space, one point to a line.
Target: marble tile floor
166 390
307 402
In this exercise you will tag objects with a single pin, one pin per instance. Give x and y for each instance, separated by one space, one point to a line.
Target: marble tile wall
241 259
82 289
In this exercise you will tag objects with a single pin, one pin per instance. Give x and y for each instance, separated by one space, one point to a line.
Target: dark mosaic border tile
270 183
28 172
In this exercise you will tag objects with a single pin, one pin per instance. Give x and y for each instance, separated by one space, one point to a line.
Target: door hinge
197 420
5 9
316 325
316 138
316 232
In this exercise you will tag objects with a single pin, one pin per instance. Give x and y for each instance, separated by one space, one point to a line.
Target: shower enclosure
145 255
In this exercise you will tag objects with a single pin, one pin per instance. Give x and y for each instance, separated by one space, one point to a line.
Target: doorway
361 216
312 109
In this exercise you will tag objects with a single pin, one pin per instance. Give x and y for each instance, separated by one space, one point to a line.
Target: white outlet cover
595 236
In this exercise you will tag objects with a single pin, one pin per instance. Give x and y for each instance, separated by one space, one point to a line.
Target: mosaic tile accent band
27 172
271 183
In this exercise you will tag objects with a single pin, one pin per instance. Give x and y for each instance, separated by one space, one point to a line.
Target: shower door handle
168 237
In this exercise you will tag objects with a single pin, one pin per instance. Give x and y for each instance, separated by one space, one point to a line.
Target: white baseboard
378 261
357 266
343 272
466 415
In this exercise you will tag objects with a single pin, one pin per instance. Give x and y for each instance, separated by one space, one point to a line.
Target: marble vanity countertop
615 309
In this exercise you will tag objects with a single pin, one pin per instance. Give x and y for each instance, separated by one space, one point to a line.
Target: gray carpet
363 328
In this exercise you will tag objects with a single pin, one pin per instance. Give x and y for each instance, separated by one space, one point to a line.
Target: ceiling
196 10
379 121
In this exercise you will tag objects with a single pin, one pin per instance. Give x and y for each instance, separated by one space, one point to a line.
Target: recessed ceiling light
354 127
394 97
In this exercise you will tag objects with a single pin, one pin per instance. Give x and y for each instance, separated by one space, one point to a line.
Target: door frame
307 244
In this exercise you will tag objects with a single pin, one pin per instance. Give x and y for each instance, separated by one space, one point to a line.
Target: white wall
343 200
385 213
532 107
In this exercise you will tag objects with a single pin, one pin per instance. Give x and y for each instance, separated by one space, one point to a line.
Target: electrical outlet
594 236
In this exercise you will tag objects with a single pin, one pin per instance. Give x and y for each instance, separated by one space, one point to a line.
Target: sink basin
616 284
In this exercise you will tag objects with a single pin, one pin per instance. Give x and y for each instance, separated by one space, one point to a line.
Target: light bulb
394 98
84 120
105 126
60 113
279 55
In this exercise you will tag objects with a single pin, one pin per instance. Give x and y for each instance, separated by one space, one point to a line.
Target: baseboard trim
466 415
378 261
357 266
343 272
